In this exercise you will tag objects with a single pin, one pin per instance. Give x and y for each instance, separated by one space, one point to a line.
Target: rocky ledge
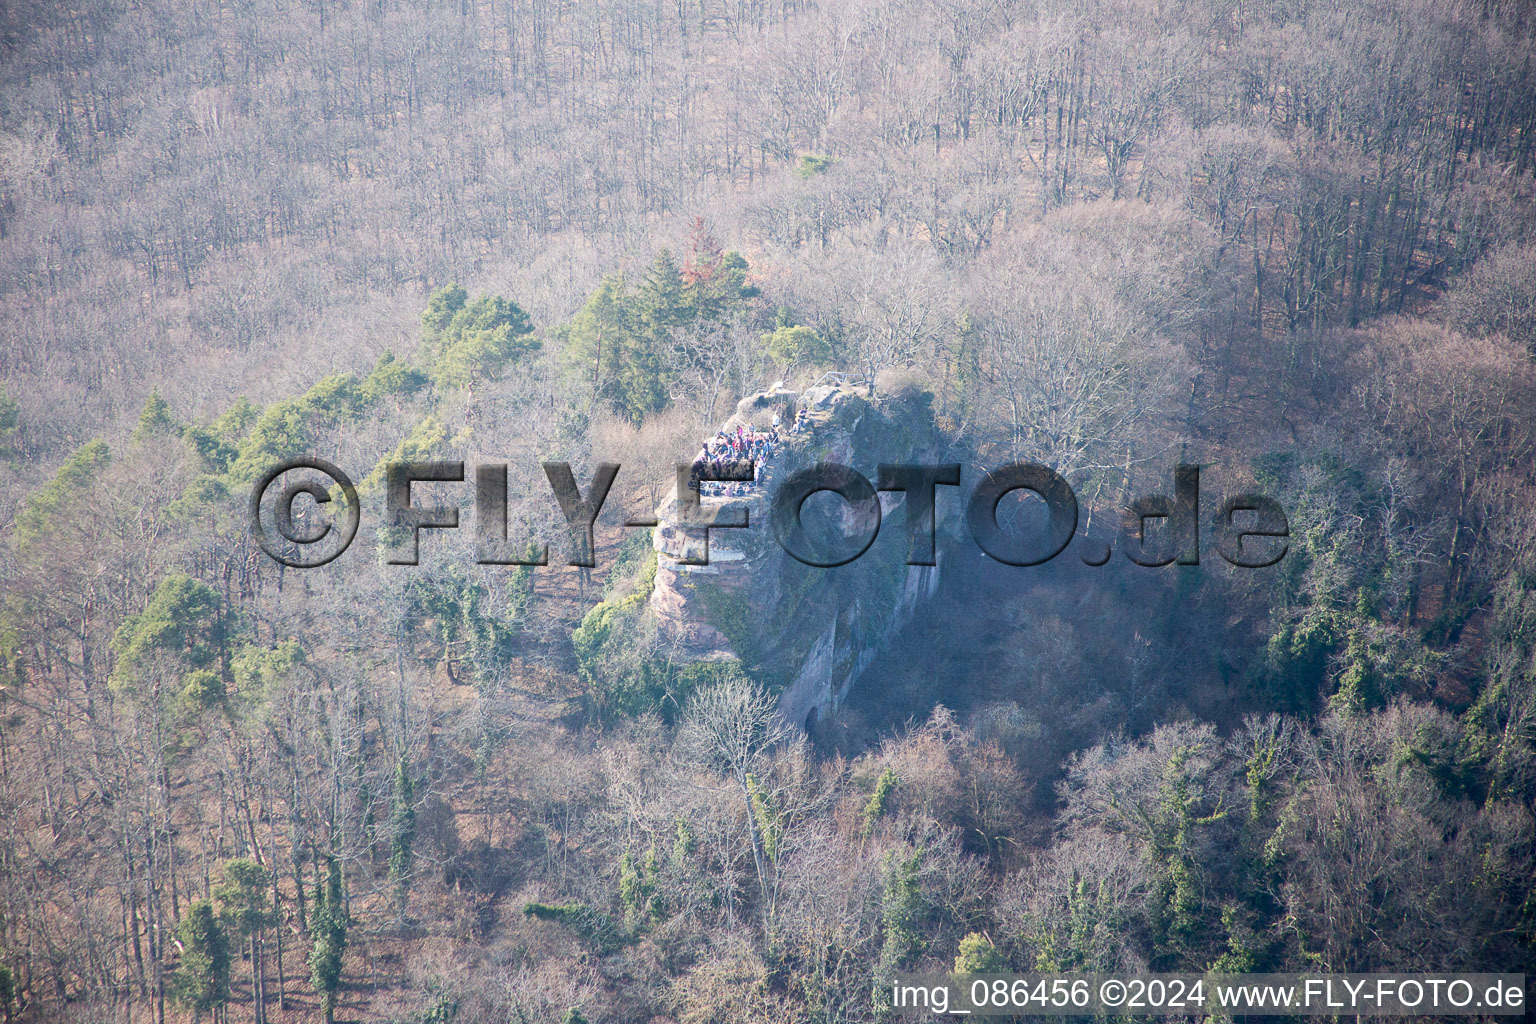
808 632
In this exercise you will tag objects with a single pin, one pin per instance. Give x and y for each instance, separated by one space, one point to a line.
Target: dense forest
1292 241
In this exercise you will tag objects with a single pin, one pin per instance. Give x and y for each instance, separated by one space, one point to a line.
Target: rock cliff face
808 632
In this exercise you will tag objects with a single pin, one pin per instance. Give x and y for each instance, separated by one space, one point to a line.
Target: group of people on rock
740 445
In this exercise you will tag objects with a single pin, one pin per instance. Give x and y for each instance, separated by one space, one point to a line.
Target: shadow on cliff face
1048 659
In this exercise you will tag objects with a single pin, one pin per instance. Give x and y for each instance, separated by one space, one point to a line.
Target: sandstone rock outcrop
808 632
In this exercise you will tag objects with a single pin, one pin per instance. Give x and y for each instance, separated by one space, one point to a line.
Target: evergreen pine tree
442 305
156 420
480 340
660 303
597 335
612 344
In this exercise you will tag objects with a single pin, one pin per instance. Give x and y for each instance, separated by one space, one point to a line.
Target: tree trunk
260 1010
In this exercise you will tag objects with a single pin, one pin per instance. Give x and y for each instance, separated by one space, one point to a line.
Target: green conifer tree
155 420
442 305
